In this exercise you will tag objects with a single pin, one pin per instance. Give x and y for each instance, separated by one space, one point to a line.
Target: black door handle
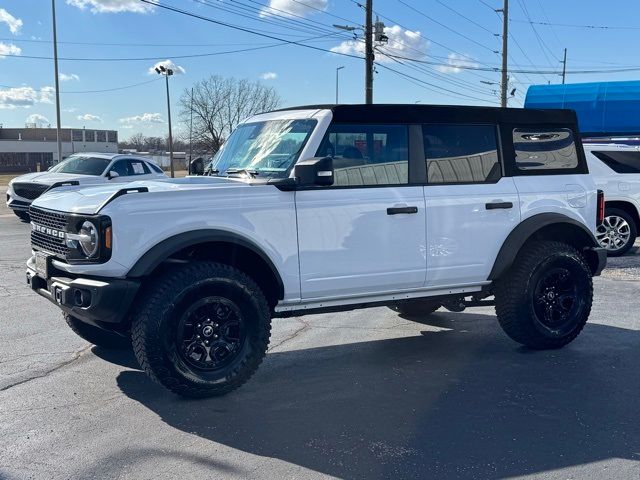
401 210
497 205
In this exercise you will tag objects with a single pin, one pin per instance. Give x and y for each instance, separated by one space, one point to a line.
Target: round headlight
89 241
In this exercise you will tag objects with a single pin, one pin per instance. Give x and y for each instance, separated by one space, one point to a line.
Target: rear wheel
545 299
24 216
201 329
97 336
617 233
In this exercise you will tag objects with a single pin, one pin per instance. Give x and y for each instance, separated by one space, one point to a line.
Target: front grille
30 191
42 241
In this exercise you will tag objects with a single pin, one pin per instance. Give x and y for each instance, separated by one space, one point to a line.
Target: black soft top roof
412 113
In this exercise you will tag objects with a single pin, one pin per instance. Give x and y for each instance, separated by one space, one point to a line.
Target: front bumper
19 205
103 302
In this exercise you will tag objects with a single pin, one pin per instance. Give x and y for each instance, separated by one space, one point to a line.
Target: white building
30 149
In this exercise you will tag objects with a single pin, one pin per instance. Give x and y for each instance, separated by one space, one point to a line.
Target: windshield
264 148
82 165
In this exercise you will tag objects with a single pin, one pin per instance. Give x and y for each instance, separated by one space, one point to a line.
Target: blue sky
448 34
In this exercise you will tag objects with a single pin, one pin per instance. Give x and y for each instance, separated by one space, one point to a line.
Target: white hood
89 199
49 178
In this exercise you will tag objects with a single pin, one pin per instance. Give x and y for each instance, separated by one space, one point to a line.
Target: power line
445 26
573 25
194 55
99 91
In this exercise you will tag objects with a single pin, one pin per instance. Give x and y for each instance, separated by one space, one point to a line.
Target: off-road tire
97 336
515 294
419 307
157 316
24 216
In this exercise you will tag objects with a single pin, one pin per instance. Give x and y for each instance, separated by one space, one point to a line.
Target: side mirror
314 171
196 166
112 174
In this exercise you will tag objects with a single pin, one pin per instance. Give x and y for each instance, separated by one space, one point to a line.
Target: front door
366 233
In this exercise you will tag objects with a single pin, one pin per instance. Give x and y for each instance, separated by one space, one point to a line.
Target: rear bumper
104 303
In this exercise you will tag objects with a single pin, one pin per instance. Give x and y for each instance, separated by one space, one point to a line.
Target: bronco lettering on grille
47 231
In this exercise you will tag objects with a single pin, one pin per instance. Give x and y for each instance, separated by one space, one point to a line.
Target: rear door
471 206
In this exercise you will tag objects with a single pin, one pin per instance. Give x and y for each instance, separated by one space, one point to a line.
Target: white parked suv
616 170
79 169
326 208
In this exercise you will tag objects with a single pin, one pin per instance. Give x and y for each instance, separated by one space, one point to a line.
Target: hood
88 200
49 178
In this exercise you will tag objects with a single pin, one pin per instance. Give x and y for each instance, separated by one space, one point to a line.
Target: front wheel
545 299
617 232
201 329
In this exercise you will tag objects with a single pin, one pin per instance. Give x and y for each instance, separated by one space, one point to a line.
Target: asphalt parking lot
366 394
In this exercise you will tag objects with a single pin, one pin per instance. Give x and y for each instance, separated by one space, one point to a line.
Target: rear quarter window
544 149
620 162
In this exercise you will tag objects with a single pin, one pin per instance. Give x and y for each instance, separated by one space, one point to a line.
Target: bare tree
219 104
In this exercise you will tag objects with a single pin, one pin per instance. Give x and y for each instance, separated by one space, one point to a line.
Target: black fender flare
164 249
525 230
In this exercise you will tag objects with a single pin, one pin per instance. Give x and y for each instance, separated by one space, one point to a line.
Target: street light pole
57 80
337 84
167 72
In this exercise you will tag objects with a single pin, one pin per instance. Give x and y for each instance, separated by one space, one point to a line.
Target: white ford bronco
327 208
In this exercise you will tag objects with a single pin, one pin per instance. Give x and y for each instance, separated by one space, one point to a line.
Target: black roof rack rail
62 184
121 192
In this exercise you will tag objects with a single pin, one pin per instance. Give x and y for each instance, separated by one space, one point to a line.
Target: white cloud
89 117
177 69
70 109
12 22
47 94
269 76
9 49
143 118
38 119
24 97
112 6
455 61
402 43
64 77
292 8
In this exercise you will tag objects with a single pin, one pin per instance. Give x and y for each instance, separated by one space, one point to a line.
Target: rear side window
367 155
544 149
461 153
155 168
620 162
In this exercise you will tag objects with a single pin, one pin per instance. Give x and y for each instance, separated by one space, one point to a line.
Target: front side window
82 165
367 155
266 149
120 167
461 153
544 149
620 162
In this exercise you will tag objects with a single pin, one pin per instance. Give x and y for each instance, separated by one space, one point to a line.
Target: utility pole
190 132
57 81
564 66
337 82
504 84
368 46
